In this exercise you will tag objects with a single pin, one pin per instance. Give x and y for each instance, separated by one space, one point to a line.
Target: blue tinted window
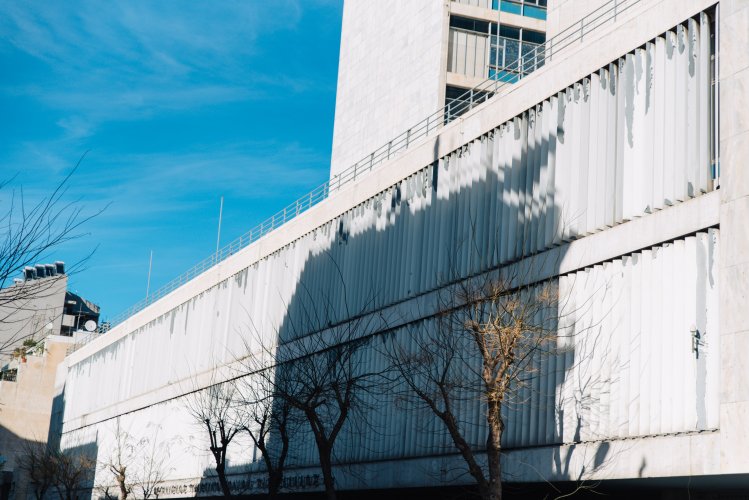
535 12
469 24
503 75
529 8
509 32
511 7
537 37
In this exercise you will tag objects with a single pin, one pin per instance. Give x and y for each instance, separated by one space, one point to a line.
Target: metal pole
716 100
220 214
78 318
148 284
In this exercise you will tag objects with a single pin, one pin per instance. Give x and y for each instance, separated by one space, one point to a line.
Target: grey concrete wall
30 309
26 404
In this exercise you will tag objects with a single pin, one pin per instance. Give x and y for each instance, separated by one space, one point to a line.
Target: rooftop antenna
218 238
148 285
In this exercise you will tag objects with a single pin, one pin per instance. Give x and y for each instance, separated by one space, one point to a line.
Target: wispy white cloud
108 75
75 127
162 36
269 167
227 169
128 60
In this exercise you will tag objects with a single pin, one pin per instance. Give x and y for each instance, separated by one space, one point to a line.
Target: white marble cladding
581 161
391 73
527 186
562 14
734 210
626 369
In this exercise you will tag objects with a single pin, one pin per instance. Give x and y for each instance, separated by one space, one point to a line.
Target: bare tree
37 462
311 370
323 371
325 381
153 466
213 408
266 417
28 234
483 345
74 470
137 466
121 459
67 471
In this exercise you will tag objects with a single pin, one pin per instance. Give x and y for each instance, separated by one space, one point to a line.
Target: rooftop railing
429 125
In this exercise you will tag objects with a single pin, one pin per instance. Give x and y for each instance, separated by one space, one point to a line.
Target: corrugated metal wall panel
623 373
600 152
468 53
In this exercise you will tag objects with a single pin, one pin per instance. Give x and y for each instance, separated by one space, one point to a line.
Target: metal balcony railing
435 121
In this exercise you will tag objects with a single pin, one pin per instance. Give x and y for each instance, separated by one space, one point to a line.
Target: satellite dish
90 325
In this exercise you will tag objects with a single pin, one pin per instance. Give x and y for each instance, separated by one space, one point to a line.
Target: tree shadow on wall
376 271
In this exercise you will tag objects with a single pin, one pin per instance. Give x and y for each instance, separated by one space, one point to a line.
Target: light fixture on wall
695 336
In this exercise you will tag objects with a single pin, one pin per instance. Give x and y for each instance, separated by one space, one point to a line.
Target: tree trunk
221 472
326 465
41 493
494 449
327 474
474 469
275 478
121 484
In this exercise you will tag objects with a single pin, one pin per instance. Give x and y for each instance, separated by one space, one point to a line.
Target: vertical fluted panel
635 371
629 139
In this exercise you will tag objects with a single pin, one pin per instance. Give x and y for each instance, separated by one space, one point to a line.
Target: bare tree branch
213 408
28 235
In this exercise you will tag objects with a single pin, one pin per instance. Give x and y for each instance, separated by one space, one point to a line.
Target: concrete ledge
666 225
589 57
493 16
668 456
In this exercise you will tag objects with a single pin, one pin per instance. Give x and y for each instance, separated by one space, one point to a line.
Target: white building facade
400 61
620 163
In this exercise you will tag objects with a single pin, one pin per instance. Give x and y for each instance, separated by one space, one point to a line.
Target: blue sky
178 103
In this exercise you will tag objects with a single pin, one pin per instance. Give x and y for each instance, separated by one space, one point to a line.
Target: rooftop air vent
29 273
